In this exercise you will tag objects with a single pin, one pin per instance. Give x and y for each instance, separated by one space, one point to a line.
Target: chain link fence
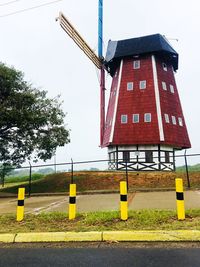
91 175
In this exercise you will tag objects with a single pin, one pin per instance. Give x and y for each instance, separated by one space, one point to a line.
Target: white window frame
129 86
124 119
164 86
171 88
136 118
143 85
136 64
164 66
166 118
146 116
173 120
180 122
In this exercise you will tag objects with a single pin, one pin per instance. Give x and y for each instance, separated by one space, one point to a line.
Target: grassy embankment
101 221
87 180
13 181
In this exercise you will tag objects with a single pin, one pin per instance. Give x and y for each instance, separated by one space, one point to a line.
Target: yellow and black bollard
72 201
123 201
180 199
20 204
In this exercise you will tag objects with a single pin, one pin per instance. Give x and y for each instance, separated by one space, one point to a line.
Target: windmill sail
73 33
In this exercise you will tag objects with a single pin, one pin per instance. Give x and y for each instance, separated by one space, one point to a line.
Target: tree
30 123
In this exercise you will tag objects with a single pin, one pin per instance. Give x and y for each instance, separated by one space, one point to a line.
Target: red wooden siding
141 101
175 135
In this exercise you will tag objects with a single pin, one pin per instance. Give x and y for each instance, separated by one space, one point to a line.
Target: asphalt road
134 257
102 202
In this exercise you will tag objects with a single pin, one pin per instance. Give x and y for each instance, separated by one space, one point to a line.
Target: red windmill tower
144 123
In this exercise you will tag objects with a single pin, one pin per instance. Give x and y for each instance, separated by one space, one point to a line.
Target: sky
34 43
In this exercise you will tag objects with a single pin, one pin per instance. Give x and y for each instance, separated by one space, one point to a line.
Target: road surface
108 257
101 202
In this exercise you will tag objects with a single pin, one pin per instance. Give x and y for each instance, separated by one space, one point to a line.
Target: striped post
72 201
180 199
123 201
20 204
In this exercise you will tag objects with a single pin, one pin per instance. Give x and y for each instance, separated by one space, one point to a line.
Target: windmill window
167 158
136 64
180 121
164 66
164 86
130 86
112 157
166 118
171 88
174 120
135 118
147 117
124 118
126 156
142 85
149 156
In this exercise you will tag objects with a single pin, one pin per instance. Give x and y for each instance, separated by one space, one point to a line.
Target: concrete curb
157 235
58 237
7 238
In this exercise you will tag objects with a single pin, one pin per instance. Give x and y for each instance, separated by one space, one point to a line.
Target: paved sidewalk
102 202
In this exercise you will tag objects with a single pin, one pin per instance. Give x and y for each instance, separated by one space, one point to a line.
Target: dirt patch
88 180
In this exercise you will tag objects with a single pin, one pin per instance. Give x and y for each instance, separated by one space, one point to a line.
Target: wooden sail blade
73 33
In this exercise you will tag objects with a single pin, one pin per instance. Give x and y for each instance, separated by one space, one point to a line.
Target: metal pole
20 204
72 171
55 163
100 29
123 201
30 180
127 175
3 177
102 71
186 168
180 199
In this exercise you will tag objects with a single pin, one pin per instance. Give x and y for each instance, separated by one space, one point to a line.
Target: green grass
19 179
101 221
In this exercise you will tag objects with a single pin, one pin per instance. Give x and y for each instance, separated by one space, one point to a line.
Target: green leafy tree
30 123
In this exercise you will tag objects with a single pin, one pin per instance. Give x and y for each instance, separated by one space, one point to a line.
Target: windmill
144 125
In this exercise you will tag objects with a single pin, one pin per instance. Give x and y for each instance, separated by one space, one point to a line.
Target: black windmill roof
151 44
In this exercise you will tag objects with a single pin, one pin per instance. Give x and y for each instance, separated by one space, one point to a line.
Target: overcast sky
35 44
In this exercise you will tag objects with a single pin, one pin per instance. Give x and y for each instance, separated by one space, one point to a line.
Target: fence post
72 201
55 163
20 204
123 201
30 180
186 168
180 199
72 171
3 177
127 174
